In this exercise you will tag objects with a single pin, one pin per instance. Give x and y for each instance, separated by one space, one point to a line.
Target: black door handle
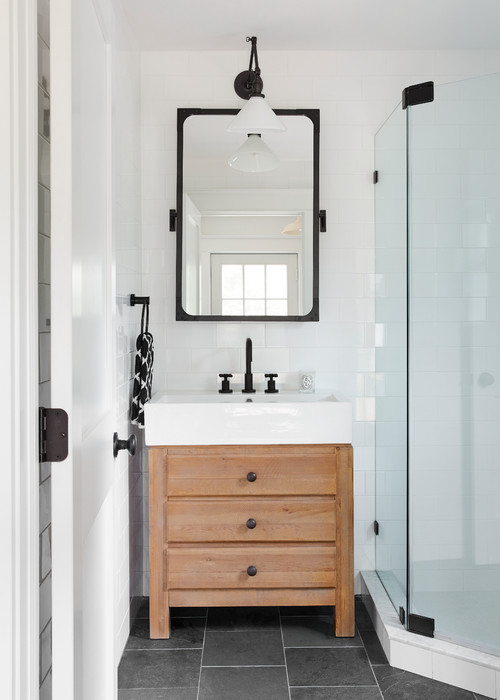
130 445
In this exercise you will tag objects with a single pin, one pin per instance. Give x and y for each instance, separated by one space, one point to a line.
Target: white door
82 355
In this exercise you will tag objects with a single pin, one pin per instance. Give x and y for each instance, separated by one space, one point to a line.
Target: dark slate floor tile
363 619
317 631
353 693
306 610
264 683
373 647
249 648
159 669
258 618
142 607
159 694
185 633
402 685
332 667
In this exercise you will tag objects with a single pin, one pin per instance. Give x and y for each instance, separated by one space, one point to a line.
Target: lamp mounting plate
243 84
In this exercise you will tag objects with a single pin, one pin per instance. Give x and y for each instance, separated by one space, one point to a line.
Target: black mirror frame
180 313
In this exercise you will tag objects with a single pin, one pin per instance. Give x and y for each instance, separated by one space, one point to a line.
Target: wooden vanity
250 526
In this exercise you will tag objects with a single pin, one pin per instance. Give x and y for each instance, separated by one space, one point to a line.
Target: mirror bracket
322 220
172 217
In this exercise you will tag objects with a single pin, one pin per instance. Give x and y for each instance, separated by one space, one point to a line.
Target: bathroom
354 73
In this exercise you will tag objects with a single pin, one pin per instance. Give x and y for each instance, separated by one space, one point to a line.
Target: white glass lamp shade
254 156
255 117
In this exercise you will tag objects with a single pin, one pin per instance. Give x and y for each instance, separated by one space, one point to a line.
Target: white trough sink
285 418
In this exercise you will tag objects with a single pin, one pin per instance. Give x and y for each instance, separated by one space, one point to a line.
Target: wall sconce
253 119
254 156
256 116
293 229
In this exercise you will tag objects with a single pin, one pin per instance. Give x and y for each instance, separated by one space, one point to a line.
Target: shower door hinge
418 94
375 177
375 527
53 434
421 625
401 615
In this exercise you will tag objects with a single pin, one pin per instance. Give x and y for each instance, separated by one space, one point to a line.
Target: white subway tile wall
355 91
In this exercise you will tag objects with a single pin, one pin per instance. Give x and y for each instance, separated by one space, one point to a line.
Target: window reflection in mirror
247 241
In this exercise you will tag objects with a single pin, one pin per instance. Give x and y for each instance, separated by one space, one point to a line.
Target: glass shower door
390 330
454 361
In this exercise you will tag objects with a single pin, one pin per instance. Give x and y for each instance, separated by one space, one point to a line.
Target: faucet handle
225 388
271 384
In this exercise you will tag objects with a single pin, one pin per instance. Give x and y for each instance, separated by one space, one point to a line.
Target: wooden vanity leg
159 611
344 606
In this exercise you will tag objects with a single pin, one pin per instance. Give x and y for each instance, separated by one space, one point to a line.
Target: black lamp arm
254 80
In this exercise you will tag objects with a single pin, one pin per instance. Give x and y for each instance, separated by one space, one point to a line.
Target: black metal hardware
248 83
135 301
322 220
402 615
271 384
421 625
251 523
252 570
375 177
225 388
248 369
376 527
53 434
172 220
183 113
251 476
130 444
418 94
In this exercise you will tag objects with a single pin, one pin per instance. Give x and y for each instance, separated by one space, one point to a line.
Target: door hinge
375 177
375 527
421 625
53 434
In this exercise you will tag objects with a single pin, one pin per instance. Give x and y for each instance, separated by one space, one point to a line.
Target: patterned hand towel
143 376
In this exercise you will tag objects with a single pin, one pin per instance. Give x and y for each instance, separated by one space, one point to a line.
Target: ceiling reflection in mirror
247 218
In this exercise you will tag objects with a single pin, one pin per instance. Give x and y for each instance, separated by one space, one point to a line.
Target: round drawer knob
251 476
252 570
251 523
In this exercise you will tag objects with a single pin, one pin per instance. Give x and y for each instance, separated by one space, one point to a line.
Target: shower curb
433 658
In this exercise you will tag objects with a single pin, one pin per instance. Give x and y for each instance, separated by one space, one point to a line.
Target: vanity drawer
248 520
229 567
273 472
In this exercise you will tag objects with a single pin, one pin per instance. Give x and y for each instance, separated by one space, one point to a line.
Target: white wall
126 224
355 92
127 239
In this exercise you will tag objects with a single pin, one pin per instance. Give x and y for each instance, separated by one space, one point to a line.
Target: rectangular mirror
247 242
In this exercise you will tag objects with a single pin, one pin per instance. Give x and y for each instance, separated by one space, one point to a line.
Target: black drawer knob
251 523
251 476
252 570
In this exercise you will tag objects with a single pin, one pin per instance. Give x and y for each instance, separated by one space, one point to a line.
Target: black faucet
248 371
